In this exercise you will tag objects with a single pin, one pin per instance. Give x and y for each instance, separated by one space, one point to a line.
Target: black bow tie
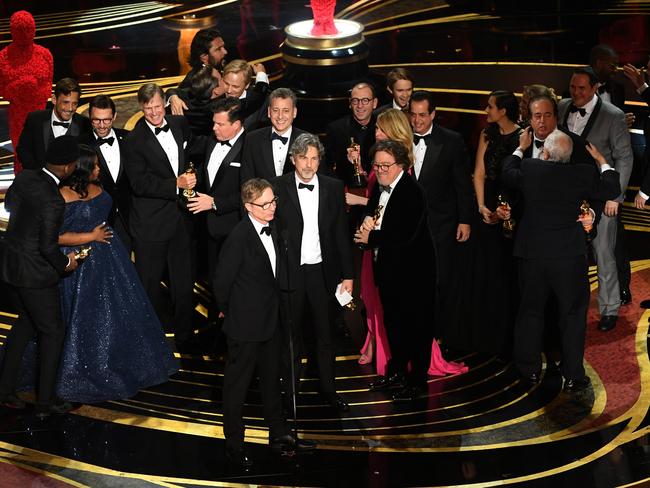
574 109
603 88
164 128
282 139
107 140
538 143
386 188
305 185
265 230
62 124
224 143
417 138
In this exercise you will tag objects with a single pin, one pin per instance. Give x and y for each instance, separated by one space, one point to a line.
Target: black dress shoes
13 402
626 296
238 457
386 382
336 402
607 322
408 394
575 386
288 442
58 408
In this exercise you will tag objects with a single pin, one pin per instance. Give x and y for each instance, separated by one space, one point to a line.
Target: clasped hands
363 232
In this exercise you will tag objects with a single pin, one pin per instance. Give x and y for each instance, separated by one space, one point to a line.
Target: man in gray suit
602 124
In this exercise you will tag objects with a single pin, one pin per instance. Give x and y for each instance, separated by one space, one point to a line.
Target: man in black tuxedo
358 125
404 253
220 177
266 154
160 226
248 294
399 83
207 48
238 83
32 264
111 144
553 250
442 170
312 221
43 126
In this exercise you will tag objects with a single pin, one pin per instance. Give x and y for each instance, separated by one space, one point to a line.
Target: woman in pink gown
391 124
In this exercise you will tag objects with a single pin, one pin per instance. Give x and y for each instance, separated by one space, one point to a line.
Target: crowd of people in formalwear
482 259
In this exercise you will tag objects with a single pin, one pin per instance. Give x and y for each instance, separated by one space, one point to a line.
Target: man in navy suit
43 126
248 294
111 144
161 227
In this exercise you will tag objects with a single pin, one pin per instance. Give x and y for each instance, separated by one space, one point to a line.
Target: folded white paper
343 298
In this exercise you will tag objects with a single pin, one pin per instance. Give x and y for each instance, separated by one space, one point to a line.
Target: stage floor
482 428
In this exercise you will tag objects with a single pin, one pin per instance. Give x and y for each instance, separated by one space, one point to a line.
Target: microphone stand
289 315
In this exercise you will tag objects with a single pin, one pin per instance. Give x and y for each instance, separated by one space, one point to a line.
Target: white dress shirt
310 252
419 151
280 151
218 154
267 241
59 130
576 122
168 143
111 155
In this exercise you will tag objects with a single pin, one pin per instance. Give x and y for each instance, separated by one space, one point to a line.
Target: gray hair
302 144
149 90
559 146
283 93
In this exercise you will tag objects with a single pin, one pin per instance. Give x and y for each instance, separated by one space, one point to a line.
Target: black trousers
39 312
243 359
567 278
309 293
175 256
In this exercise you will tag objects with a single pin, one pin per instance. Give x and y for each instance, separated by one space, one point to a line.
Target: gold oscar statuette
584 210
375 218
509 224
190 193
359 181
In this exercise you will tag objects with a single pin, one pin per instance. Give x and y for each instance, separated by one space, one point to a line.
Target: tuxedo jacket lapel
592 118
267 152
156 148
48 134
230 157
259 248
323 200
434 147
74 129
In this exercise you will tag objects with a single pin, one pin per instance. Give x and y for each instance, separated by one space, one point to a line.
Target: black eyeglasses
382 167
267 205
360 101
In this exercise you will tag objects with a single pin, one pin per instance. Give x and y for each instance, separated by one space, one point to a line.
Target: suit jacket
607 130
553 193
254 106
405 248
37 134
445 178
30 256
120 190
339 133
257 161
245 287
156 213
225 189
335 241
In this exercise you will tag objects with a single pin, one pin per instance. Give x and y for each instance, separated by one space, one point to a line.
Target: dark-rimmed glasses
382 166
267 205
360 101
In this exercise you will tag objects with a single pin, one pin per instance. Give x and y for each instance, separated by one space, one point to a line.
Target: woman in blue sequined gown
114 344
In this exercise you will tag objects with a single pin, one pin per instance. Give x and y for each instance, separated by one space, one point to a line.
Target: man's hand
489 217
503 213
639 201
611 208
634 75
629 119
587 220
595 153
177 105
462 232
346 285
73 262
525 139
368 223
200 203
258 67
186 181
354 153
361 235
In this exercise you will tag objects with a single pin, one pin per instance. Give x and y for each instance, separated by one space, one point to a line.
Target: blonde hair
395 124
237 66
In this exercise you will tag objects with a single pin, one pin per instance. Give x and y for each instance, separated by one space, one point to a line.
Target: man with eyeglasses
111 144
359 126
311 217
43 126
248 270
404 253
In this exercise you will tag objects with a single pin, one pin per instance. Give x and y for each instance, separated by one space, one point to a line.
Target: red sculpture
26 71
323 17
